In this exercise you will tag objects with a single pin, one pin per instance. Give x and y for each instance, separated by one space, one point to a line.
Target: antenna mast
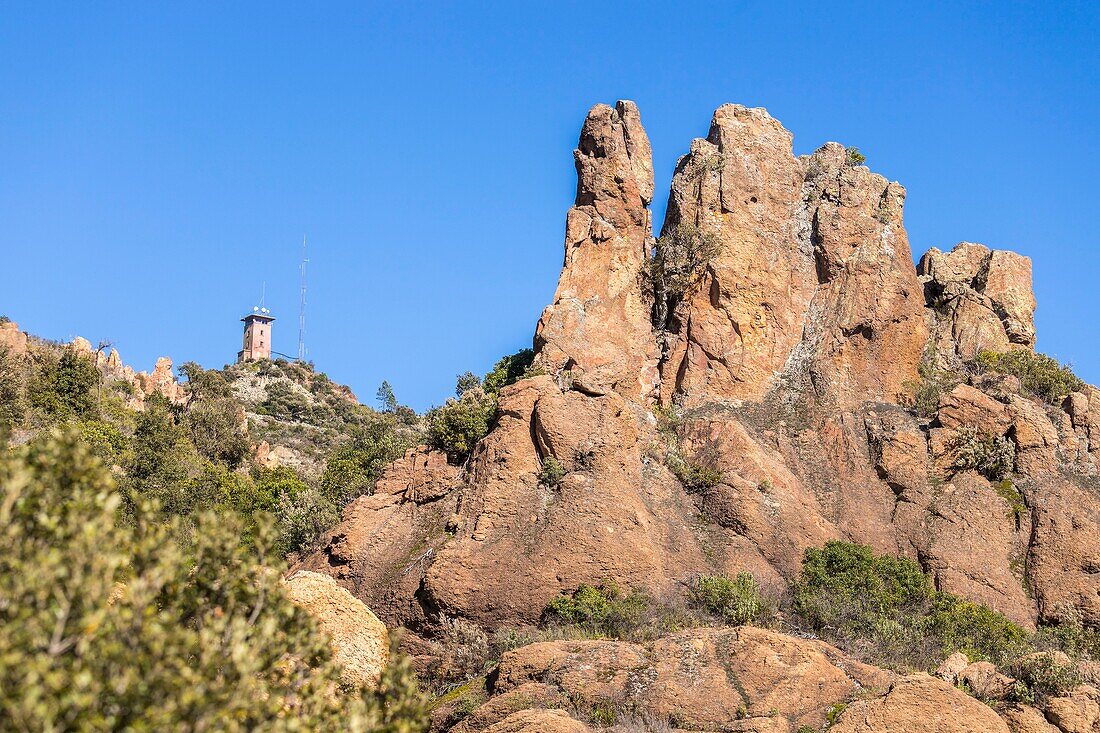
302 306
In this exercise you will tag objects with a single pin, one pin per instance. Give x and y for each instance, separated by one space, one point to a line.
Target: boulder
919 703
360 641
12 340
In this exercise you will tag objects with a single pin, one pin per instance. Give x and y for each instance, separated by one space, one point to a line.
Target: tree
217 428
509 370
680 258
386 398
109 626
458 425
353 468
466 382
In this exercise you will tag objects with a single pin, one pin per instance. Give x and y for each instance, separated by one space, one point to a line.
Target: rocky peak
598 326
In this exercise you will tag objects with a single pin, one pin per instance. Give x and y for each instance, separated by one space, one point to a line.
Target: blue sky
160 161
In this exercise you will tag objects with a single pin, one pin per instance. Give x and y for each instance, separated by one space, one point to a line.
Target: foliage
886 607
605 610
1008 491
109 626
13 398
466 382
62 384
217 429
699 473
286 401
204 384
354 467
933 383
458 425
105 440
552 472
1043 676
509 370
734 600
853 157
976 630
680 258
1040 375
386 398
993 456
303 517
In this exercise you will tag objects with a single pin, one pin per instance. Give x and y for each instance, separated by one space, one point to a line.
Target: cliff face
792 359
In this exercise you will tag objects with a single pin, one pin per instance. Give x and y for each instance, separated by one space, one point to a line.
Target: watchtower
257 335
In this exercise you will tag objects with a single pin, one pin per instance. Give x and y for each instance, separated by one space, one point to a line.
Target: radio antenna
302 304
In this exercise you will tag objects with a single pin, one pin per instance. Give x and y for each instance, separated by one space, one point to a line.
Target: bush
457 426
696 476
992 456
846 586
977 631
933 383
354 467
552 472
508 370
106 442
1043 676
680 258
13 400
218 431
62 386
1039 375
303 517
603 611
736 601
111 627
853 156
886 608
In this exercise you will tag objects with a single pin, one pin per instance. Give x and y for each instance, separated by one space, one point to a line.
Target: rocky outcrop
920 704
979 299
702 680
598 326
12 340
732 335
359 640
790 365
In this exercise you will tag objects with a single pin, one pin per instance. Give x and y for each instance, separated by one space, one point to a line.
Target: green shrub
110 626
284 402
736 601
218 431
933 383
698 473
886 608
605 610
552 472
1042 676
105 440
1039 375
508 370
846 586
992 456
304 516
680 258
13 398
62 385
457 426
853 157
1008 491
354 467
977 631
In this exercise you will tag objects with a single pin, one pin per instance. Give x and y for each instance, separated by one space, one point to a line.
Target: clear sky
159 161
